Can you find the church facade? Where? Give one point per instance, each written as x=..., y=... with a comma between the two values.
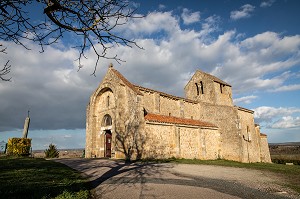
x=129, y=121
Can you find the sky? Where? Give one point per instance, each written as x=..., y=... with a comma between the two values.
x=252, y=45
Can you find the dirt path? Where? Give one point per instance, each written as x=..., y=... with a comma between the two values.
x=115, y=179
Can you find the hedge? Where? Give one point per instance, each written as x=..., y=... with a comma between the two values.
x=282, y=161
x=18, y=146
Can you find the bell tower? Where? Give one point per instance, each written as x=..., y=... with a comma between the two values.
x=204, y=87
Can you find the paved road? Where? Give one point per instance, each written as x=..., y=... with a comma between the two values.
x=115, y=179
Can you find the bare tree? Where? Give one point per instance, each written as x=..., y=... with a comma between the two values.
x=6, y=69
x=93, y=21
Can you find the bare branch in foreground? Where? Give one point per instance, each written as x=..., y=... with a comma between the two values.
x=93, y=23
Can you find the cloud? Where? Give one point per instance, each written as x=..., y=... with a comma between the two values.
x=266, y=113
x=281, y=117
x=292, y=87
x=244, y=12
x=161, y=7
x=254, y=58
x=49, y=85
x=154, y=22
x=268, y=3
x=244, y=100
x=287, y=122
x=210, y=25
x=68, y=136
x=189, y=17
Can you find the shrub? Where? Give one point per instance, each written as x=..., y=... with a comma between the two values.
x=51, y=152
x=74, y=195
x=18, y=146
x=283, y=161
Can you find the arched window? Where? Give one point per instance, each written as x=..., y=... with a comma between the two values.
x=199, y=87
x=107, y=121
x=107, y=102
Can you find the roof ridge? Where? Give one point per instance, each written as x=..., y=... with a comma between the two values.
x=216, y=79
x=125, y=81
x=165, y=94
x=263, y=135
x=244, y=109
x=176, y=120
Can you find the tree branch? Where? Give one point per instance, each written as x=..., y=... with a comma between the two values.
x=5, y=71
x=92, y=21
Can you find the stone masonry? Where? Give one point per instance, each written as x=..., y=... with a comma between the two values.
x=130, y=121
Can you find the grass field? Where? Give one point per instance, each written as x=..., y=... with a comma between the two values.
x=39, y=178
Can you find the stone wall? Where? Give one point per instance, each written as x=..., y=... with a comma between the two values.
x=96, y=110
x=250, y=137
x=211, y=144
x=169, y=106
x=189, y=142
x=223, y=94
x=160, y=141
x=264, y=150
x=211, y=90
x=192, y=93
x=265, y=155
x=191, y=110
x=235, y=137
x=170, y=140
x=224, y=117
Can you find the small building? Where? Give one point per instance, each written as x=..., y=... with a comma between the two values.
x=129, y=121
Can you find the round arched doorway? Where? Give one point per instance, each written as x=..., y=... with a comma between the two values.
x=106, y=126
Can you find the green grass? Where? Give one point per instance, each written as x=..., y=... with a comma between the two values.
x=39, y=178
x=291, y=173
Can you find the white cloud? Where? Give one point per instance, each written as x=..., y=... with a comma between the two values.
x=161, y=7
x=268, y=3
x=68, y=136
x=281, y=117
x=246, y=64
x=154, y=22
x=57, y=95
x=48, y=85
x=256, y=57
x=287, y=122
x=244, y=12
x=209, y=26
x=266, y=113
x=189, y=17
x=292, y=87
x=245, y=99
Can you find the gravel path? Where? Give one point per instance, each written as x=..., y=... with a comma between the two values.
x=114, y=179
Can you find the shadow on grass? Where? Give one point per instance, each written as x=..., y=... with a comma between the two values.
x=37, y=178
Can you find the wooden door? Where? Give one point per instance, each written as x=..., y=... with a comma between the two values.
x=108, y=144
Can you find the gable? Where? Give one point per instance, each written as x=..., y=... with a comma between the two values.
x=208, y=76
x=125, y=81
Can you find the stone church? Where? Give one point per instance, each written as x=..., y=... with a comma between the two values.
x=129, y=121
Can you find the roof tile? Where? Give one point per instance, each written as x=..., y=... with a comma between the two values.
x=263, y=135
x=176, y=120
